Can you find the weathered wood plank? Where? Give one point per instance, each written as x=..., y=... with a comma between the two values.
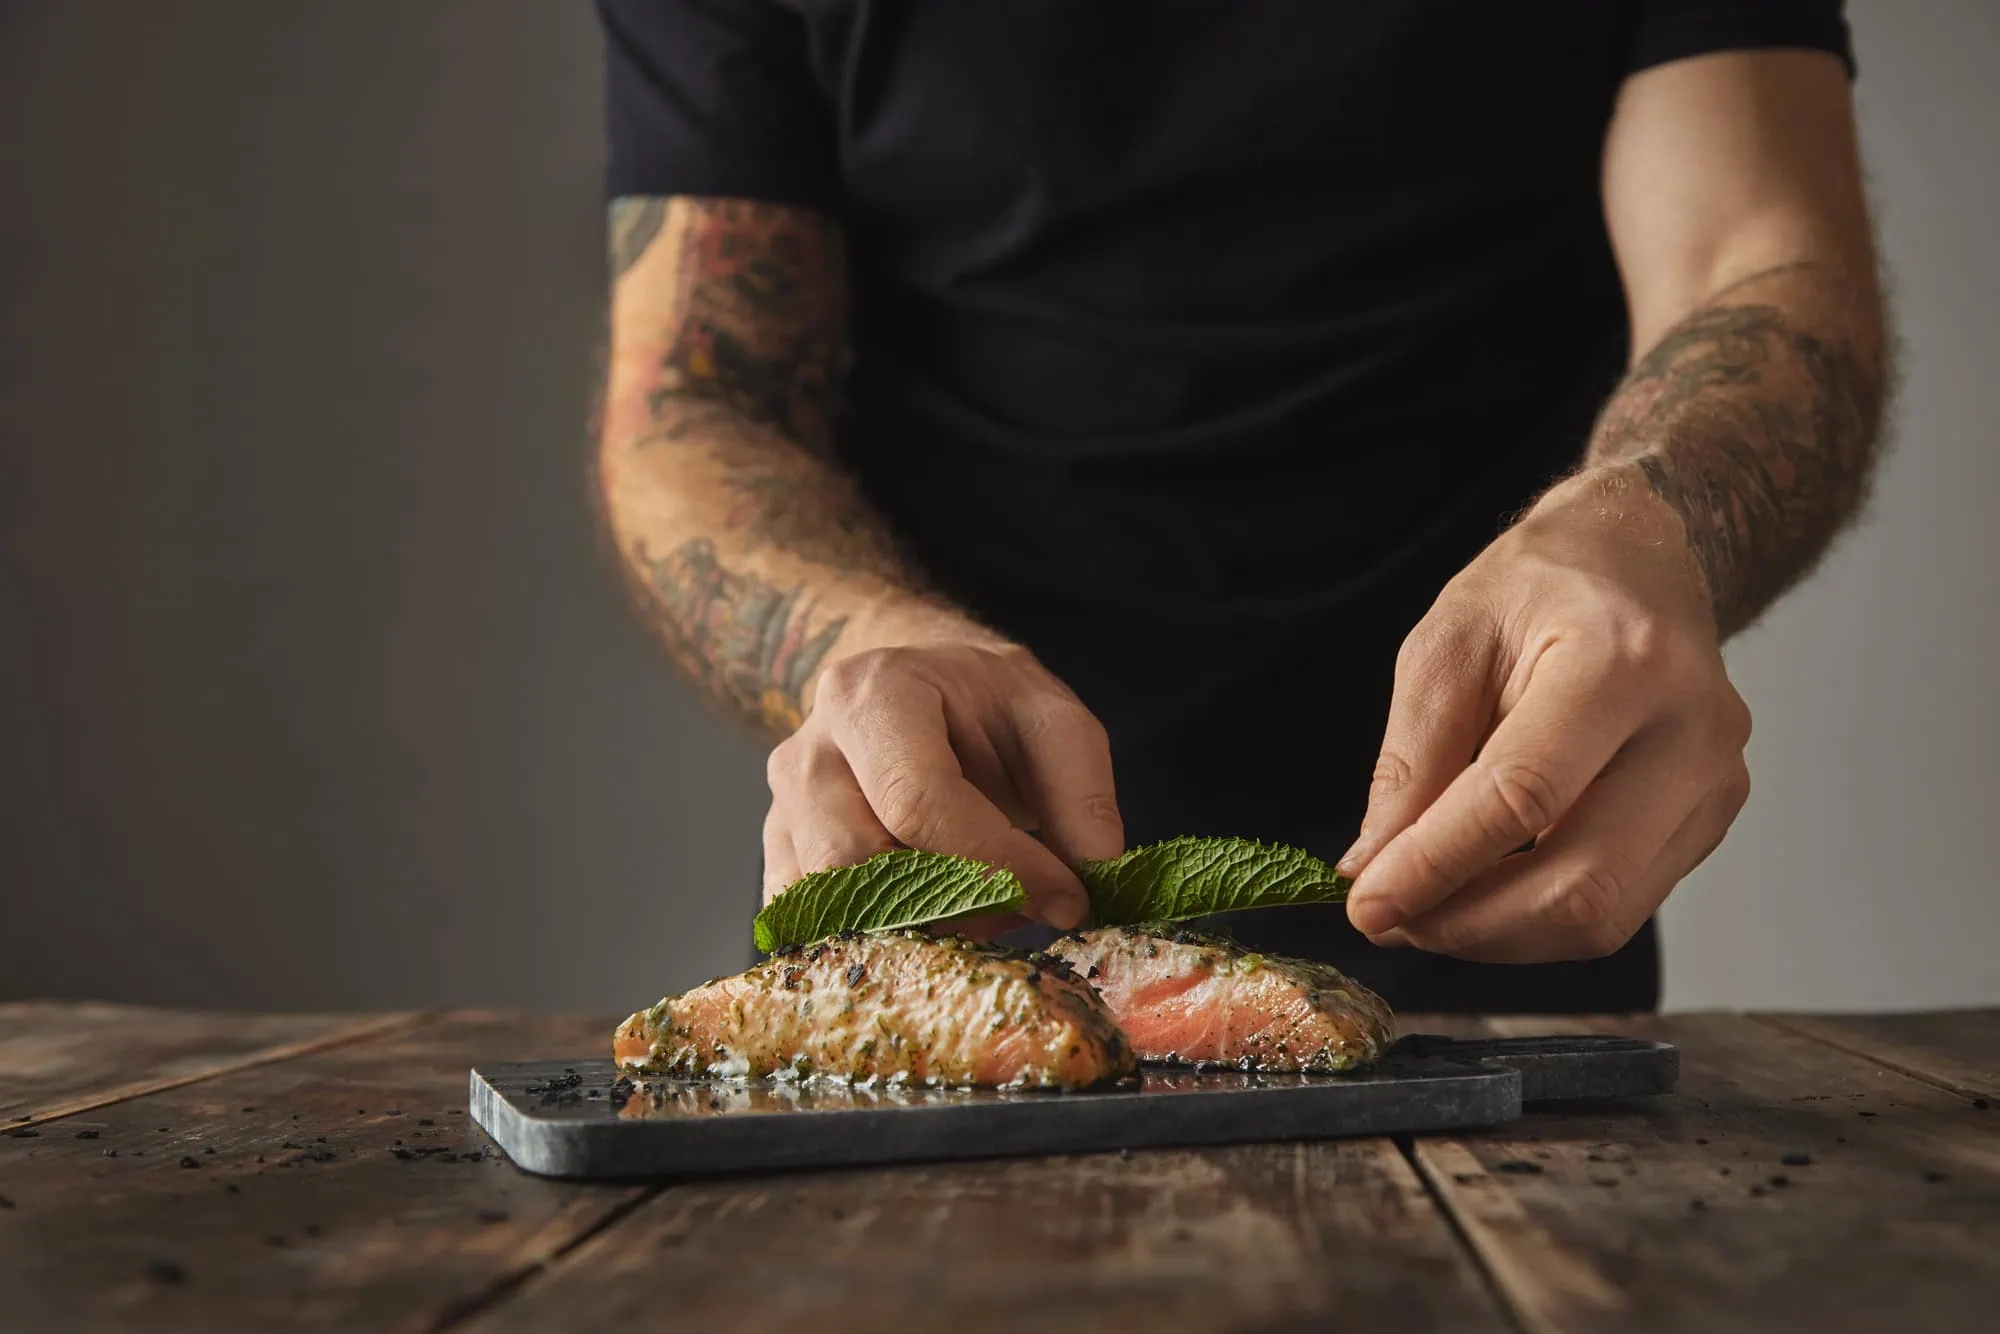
x=344, y=1189
x=1954, y=1049
x=1256, y=1237
x=1788, y=1186
x=62, y=1057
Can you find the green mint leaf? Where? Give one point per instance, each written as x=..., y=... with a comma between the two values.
x=1193, y=877
x=889, y=890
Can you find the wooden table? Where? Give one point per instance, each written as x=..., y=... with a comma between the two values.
x=175, y=1171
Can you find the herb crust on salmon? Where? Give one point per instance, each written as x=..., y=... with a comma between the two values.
x=890, y=1007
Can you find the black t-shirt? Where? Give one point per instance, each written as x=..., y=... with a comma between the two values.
x=1198, y=342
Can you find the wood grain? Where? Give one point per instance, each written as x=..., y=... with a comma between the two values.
x=1263, y=1237
x=1954, y=1049
x=280, y=1197
x=1682, y=1213
x=62, y=1057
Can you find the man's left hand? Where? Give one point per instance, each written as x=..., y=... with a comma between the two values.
x=1568, y=688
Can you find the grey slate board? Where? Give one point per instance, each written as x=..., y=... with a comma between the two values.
x=569, y=1120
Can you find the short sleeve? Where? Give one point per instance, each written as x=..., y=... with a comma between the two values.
x=1664, y=30
x=714, y=97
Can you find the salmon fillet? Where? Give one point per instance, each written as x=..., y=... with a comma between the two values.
x=893, y=1007
x=1181, y=995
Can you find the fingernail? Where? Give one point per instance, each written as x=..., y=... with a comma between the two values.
x=1349, y=864
x=1373, y=915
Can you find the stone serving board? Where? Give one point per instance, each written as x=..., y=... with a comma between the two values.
x=569, y=1120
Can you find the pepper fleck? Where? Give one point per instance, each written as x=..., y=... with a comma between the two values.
x=165, y=1271
x=1797, y=1160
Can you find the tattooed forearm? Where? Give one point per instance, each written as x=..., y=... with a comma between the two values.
x=758, y=319
x=718, y=449
x=1759, y=428
x=635, y=221
x=749, y=642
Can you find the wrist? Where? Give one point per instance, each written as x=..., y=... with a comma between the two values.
x=1608, y=516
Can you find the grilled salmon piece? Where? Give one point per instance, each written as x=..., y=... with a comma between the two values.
x=895, y=1007
x=1181, y=995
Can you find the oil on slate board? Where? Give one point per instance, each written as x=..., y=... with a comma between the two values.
x=579, y=1121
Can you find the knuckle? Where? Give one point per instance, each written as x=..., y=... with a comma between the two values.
x=784, y=763
x=908, y=807
x=1429, y=647
x=1103, y=808
x=1736, y=789
x=843, y=684
x=1525, y=800
x=1642, y=641
x=1064, y=718
x=1586, y=905
x=1392, y=774
x=1733, y=721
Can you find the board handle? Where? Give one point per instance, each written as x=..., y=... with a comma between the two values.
x=1562, y=1066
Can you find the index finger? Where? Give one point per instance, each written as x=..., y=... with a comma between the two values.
x=1574, y=716
x=901, y=755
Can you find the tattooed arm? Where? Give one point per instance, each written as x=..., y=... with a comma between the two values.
x=899, y=720
x=756, y=557
x=1754, y=406
x=1568, y=687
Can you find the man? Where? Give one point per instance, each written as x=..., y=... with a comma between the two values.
x=999, y=389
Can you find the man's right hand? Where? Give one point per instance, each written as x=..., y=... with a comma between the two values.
x=948, y=747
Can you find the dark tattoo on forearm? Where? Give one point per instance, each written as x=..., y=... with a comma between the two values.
x=758, y=318
x=635, y=221
x=748, y=642
x=1759, y=433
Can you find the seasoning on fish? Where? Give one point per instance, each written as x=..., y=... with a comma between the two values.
x=891, y=1007
x=1181, y=995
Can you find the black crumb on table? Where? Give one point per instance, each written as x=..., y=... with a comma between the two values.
x=1756, y=1190
x=425, y=1121
x=165, y=1271
x=1797, y=1160
x=88, y=1134
x=209, y=1149
x=1697, y=1204
x=189, y=1160
x=1980, y=1104
x=1518, y=1165
x=24, y=1133
x=1781, y=1180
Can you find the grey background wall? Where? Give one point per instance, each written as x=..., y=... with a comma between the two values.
x=314, y=690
